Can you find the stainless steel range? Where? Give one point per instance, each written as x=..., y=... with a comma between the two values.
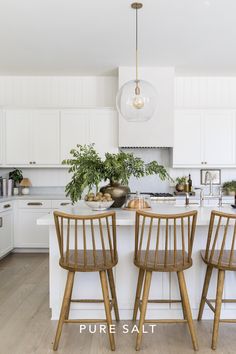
x=161, y=197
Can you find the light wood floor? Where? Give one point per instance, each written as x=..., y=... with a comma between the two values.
x=26, y=328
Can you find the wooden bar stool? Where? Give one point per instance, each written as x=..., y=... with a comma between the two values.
x=158, y=249
x=219, y=254
x=87, y=249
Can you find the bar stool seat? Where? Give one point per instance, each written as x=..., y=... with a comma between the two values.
x=163, y=243
x=225, y=260
x=87, y=243
x=221, y=234
x=104, y=261
x=163, y=261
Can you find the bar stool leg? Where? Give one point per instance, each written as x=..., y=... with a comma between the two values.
x=113, y=292
x=146, y=289
x=182, y=301
x=107, y=307
x=219, y=293
x=64, y=308
x=187, y=309
x=205, y=291
x=138, y=293
x=68, y=309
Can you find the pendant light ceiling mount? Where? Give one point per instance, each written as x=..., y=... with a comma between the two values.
x=136, y=5
x=136, y=99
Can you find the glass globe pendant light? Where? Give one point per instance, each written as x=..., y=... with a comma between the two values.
x=136, y=99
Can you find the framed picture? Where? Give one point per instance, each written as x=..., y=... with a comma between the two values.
x=208, y=175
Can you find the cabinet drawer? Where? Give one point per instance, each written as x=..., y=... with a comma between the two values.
x=60, y=203
x=35, y=204
x=6, y=206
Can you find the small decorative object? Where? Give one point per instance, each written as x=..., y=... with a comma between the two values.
x=25, y=184
x=16, y=176
x=180, y=183
x=99, y=201
x=89, y=170
x=215, y=176
x=229, y=187
x=138, y=201
x=136, y=100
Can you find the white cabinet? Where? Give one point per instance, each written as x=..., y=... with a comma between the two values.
x=6, y=232
x=88, y=126
x=74, y=130
x=219, y=138
x=18, y=137
x=187, y=138
x=204, y=138
x=46, y=137
x=32, y=137
x=103, y=130
x=1, y=138
x=27, y=233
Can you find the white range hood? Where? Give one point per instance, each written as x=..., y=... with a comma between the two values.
x=159, y=130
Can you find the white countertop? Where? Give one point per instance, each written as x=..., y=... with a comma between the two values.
x=34, y=197
x=127, y=218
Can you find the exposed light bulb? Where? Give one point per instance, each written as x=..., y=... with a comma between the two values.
x=138, y=102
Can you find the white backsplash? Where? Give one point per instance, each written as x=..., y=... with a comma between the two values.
x=58, y=178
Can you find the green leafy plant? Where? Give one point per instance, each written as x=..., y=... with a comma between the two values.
x=229, y=186
x=89, y=169
x=181, y=180
x=16, y=175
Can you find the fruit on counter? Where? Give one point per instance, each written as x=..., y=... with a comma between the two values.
x=138, y=204
x=98, y=197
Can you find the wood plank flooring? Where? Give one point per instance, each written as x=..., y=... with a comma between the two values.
x=26, y=328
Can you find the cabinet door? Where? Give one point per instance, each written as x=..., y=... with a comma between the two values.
x=1, y=138
x=103, y=130
x=6, y=233
x=188, y=139
x=28, y=234
x=219, y=133
x=46, y=137
x=18, y=137
x=74, y=130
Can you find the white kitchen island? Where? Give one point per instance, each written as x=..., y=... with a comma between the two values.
x=164, y=285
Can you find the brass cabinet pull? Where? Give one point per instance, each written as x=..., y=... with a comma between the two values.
x=34, y=203
x=1, y=222
x=7, y=206
x=64, y=203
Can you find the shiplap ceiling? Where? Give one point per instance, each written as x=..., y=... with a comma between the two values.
x=91, y=37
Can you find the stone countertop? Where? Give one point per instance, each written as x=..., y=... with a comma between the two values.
x=127, y=218
x=34, y=197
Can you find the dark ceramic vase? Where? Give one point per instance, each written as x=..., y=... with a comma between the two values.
x=118, y=193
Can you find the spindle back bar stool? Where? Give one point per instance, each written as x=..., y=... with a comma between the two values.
x=219, y=254
x=87, y=244
x=163, y=243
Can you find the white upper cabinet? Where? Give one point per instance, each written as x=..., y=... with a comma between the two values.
x=1, y=138
x=103, y=130
x=219, y=138
x=18, y=137
x=74, y=130
x=89, y=126
x=46, y=137
x=204, y=138
x=32, y=137
x=159, y=130
x=187, y=138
